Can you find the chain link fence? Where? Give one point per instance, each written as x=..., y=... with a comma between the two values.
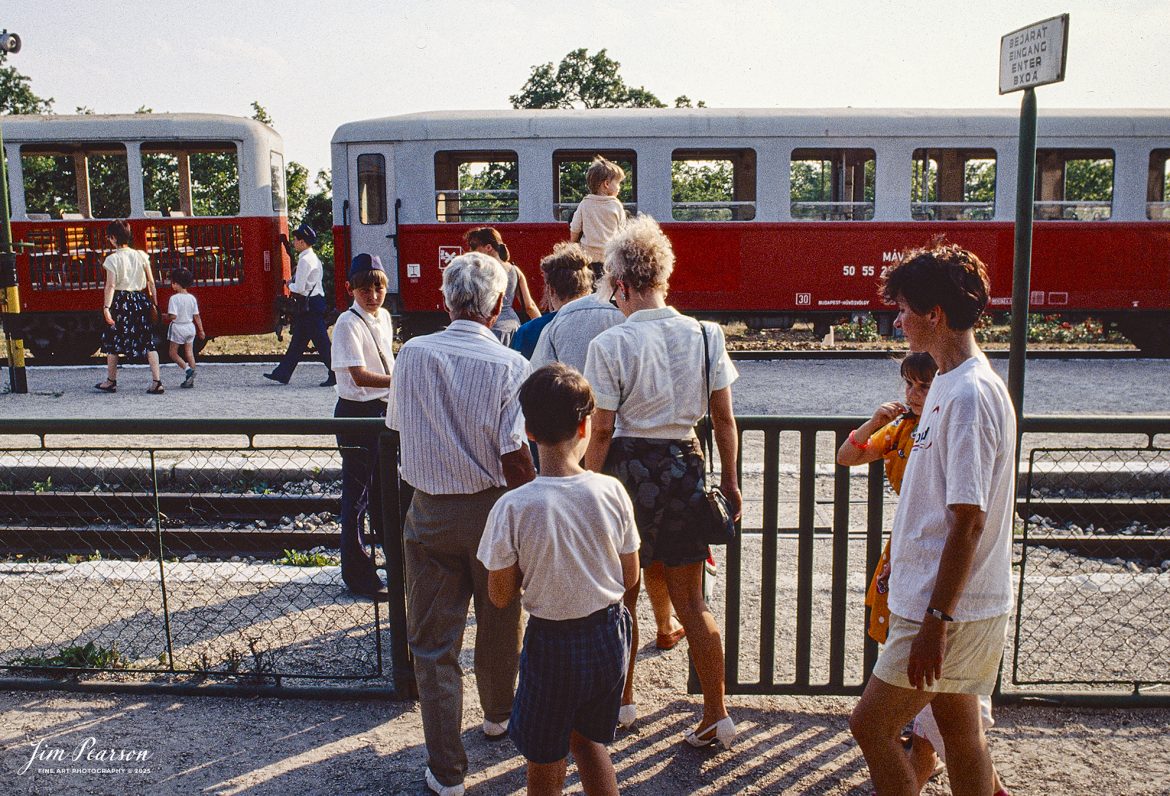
x=1094, y=569
x=143, y=560
x=204, y=563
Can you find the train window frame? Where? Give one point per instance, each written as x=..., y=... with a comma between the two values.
x=835, y=209
x=366, y=179
x=563, y=210
x=938, y=199
x=190, y=192
x=1046, y=207
x=1158, y=186
x=78, y=168
x=277, y=181
x=448, y=164
x=741, y=206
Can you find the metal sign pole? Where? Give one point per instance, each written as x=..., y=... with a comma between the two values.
x=1022, y=269
x=1031, y=56
x=17, y=378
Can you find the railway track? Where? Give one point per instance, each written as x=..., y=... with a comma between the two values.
x=740, y=355
x=264, y=525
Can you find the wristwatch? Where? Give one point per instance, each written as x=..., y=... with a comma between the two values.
x=937, y=614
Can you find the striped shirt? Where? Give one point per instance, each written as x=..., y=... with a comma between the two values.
x=455, y=402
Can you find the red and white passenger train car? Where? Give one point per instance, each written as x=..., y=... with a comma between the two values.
x=777, y=214
x=202, y=192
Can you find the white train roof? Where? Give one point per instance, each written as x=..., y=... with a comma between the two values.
x=135, y=127
x=749, y=123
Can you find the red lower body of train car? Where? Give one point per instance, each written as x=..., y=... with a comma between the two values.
x=771, y=273
x=238, y=264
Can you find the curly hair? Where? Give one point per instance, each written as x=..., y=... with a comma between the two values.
x=640, y=255
x=567, y=274
x=941, y=275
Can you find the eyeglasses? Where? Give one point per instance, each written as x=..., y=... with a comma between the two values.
x=613, y=298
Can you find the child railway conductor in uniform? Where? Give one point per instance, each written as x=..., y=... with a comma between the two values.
x=455, y=403
x=309, y=317
x=363, y=362
x=950, y=584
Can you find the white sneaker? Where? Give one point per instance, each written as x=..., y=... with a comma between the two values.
x=627, y=715
x=495, y=731
x=441, y=789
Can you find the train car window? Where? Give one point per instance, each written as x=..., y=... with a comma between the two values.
x=477, y=187
x=76, y=180
x=833, y=184
x=197, y=179
x=371, y=174
x=276, y=180
x=713, y=184
x=953, y=185
x=1158, y=191
x=1074, y=184
x=570, y=186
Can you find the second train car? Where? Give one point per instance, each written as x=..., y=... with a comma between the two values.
x=777, y=215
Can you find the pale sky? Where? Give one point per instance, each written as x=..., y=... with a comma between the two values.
x=315, y=65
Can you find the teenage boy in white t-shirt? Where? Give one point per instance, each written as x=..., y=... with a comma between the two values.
x=363, y=364
x=568, y=543
x=950, y=585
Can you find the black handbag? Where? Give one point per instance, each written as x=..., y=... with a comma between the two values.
x=720, y=526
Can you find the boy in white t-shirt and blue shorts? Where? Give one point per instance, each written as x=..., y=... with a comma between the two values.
x=186, y=324
x=567, y=542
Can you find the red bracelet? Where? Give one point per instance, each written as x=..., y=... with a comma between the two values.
x=853, y=442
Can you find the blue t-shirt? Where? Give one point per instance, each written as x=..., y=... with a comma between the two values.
x=524, y=340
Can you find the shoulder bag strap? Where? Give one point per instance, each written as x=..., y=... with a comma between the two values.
x=374, y=335
x=708, y=431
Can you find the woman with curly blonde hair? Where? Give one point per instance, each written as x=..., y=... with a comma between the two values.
x=648, y=378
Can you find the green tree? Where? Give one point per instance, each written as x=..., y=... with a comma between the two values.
x=582, y=80
x=1088, y=180
x=701, y=181
x=260, y=113
x=16, y=94
x=296, y=185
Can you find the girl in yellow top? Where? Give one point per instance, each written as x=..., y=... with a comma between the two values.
x=887, y=435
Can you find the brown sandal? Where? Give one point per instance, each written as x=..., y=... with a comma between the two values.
x=156, y=388
x=109, y=385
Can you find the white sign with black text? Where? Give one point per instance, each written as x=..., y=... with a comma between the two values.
x=1033, y=56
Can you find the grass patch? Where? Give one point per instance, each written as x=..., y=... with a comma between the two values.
x=306, y=558
x=89, y=656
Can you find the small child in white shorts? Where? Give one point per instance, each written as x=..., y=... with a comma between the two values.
x=186, y=324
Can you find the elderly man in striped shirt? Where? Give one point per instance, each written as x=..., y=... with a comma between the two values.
x=454, y=401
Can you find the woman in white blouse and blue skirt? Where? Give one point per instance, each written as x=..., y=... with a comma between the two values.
x=648, y=378
x=126, y=308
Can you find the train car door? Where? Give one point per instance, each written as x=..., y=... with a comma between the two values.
x=372, y=220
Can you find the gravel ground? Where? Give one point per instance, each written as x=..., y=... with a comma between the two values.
x=787, y=744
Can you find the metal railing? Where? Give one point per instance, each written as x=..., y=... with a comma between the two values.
x=812, y=534
x=139, y=556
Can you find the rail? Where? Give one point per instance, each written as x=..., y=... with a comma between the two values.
x=136, y=553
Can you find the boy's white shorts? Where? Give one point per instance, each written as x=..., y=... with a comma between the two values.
x=181, y=333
